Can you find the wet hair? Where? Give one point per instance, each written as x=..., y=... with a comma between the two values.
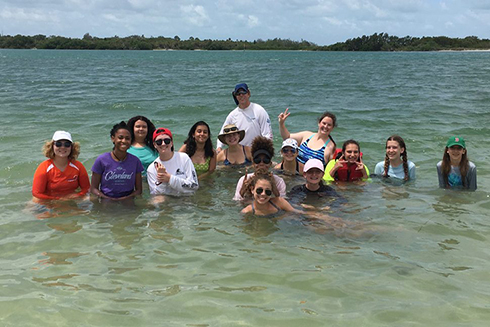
x=48, y=150
x=191, y=145
x=334, y=121
x=401, y=144
x=446, y=167
x=260, y=174
x=151, y=128
x=263, y=143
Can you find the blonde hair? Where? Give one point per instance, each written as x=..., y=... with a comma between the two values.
x=48, y=150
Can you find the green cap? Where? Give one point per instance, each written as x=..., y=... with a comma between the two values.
x=456, y=140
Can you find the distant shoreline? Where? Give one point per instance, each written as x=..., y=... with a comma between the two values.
x=376, y=42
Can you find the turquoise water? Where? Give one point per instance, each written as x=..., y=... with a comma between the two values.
x=418, y=256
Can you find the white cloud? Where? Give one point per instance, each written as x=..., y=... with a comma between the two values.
x=195, y=15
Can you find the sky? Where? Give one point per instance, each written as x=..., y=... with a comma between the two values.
x=323, y=22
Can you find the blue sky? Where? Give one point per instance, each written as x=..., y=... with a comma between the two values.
x=320, y=21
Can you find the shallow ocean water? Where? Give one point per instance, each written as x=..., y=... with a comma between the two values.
x=417, y=255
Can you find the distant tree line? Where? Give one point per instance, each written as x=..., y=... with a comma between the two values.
x=375, y=42
x=385, y=42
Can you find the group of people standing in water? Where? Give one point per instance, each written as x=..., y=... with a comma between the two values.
x=143, y=151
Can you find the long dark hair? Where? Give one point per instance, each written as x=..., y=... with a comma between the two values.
x=446, y=167
x=149, y=135
x=191, y=145
x=401, y=144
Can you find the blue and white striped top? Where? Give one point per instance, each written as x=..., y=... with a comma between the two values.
x=305, y=153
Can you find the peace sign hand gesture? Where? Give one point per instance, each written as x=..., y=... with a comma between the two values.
x=283, y=116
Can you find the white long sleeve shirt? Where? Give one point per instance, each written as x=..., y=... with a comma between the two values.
x=254, y=120
x=183, y=177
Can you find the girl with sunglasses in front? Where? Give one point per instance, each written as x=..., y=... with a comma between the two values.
x=261, y=187
x=116, y=175
x=61, y=175
x=263, y=151
x=172, y=173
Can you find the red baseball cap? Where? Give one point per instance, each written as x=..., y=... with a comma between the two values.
x=160, y=131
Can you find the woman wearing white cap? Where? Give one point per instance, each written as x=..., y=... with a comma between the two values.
x=61, y=175
x=289, y=151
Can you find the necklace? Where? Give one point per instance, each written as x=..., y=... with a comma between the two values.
x=114, y=154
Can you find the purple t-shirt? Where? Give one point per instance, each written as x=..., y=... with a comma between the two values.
x=117, y=177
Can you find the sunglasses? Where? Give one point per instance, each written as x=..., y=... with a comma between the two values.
x=265, y=160
x=240, y=93
x=231, y=129
x=66, y=144
x=259, y=191
x=160, y=141
x=286, y=150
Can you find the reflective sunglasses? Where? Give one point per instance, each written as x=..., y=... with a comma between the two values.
x=265, y=160
x=160, y=141
x=60, y=144
x=286, y=150
x=231, y=129
x=259, y=191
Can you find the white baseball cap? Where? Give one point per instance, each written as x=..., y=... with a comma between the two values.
x=313, y=163
x=62, y=135
x=290, y=142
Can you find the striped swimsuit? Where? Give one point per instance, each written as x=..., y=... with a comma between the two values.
x=305, y=153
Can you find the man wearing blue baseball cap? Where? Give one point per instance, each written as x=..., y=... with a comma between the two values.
x=247, y=116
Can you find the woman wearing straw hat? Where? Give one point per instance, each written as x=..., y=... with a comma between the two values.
x=235, y=154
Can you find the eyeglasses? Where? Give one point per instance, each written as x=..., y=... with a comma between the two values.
x=66, y=144
x=160, y=141
x=231, y=129
x=286, y=150
x=265, y=160
x=259, y=191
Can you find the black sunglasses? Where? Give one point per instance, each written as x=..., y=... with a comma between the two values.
x=241, y=92
x=259, y=191
x=265, y=160
x=66, y=144
x=231, y=129
x=286, y=150
x=160, y=141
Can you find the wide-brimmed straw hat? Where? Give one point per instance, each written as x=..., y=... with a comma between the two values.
x=230, y=129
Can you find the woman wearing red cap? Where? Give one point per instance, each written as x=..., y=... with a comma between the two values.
x=172, y=173
x=61, y=176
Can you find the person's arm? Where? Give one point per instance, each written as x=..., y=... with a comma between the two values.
x=283, y=204
x=281, y=186
x=439, y=175
x=265, y=124
x=188, y=183
x=40, y=182
x=329, y=175
x=285, y=134
x=247, y=209
x=329, y=151
x=94, y=186
x=238, y=196
x=471, y=178
x=183, y=148
x=411, y=171
x=362, y=167
x=83, y=180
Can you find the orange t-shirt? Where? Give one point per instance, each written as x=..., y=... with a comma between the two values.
x=51, y=183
